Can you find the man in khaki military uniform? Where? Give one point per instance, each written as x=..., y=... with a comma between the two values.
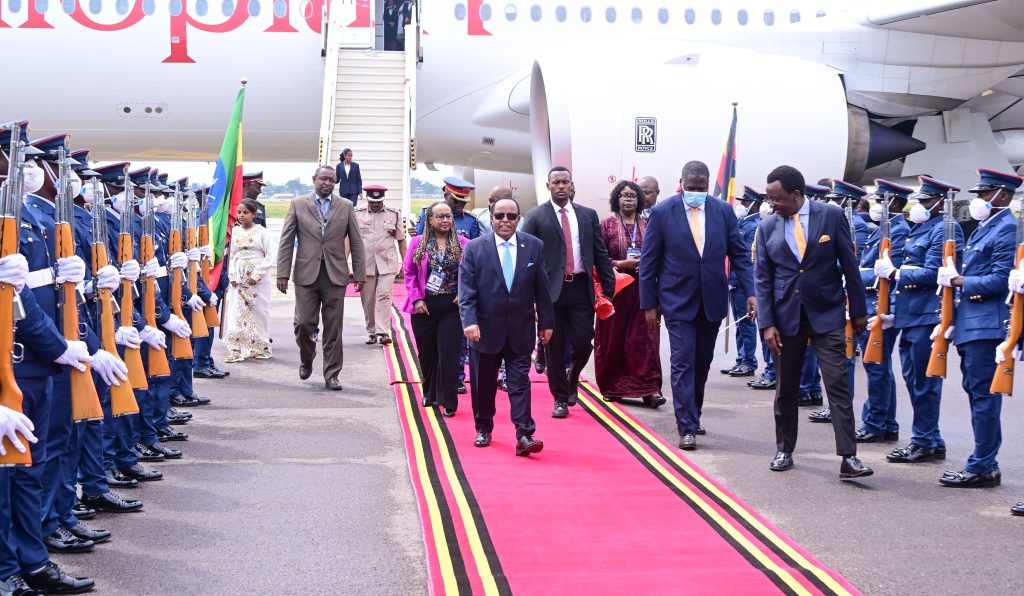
x=381, y=228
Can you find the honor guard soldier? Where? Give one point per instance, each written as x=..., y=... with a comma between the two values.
x=203, y=366
x=981, y=318
x=747, y=218
x=766, y=381
x=878, y=416
x=381, y=229
x=252, y=186
x=917, y=307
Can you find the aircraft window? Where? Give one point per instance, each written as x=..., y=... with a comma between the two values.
x=794, y=16
x=460, y=12
x=585, y=14
x=175, y=8
x=662, y=15
x=485, y=12
x=95, y=6
x=68, y=6
x=253, y=8
x=42, y=5
x=511, y=12
x=148, y=7
x=202, y=7
x=609, y=14
x=535, y=13
x=819, y=14
x=690, y=16
x=15, y=5
x=637, y=15
x=741, y=16
x=716, y=16
x=280, y=9
x=307, y=9
x=769, y=17
x=560, y=14
x=121, y=6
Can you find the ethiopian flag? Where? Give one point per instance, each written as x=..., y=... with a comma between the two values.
x=226, y=192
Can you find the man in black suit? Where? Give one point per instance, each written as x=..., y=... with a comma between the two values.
x=502, y=283
x=572, y=249
x=350, y=180
x=804, y=253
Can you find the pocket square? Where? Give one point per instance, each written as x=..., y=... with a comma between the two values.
x=824, y=238
x=528, y=265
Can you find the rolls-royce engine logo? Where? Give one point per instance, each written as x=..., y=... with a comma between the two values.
x=646, y=135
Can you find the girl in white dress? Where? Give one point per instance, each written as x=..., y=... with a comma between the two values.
x=248, y=300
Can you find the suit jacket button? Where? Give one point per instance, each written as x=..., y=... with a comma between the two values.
x=801, y=271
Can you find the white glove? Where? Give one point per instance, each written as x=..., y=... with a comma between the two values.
x=151, y=268
x=109, y=367
x=77, y=355
x=70, y=269
x=947, y=274
x=192, y=254
x=178, y=327
x=938, y=329
x=884, y=266
x=887, y=321
x=178, y=260
x=206, y=251
x=11, y=422
x=1000, y=356
x=214, y=301
x=153, y=337
x=107, y=278
x=128, y=337
x=13, y=271
x=1016, y=282
x=196, y=302
x=130, y=270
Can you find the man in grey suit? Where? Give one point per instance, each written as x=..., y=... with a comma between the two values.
x=315, y=230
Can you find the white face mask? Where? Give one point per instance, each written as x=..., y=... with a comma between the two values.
x=117, y=202
x=34, y=177
x=76, y=185
x=740, y=210
x=980, y=208
x=876, y=212
x=159, y=204
x=920, y=214
x=766, y=209
x=87, y=194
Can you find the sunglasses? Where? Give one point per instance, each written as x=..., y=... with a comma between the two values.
x=502, y=216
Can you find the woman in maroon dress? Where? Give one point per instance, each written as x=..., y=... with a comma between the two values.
x=627, y=351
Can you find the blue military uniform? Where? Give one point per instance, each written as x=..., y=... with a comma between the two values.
x=980, y=326
x=878, y=416
x=202, y=360
x=746, y=329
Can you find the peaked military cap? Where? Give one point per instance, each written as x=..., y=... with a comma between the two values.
x=458, y=187
x=82, y=169
x=256, y=177
x=841, y=188
x=375, y=192
x=113, y=173
x=5, y=138
x=992, y=180
x=932, y=188
x=50, y=145
x=816, y=190
x=884, y=187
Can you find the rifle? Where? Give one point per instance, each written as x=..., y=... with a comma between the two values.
x=157, y=357
x=873, y=351
x=122, y=399
x=1002, y=380
x=851, y=347
x=10, y=220
x=940, y=345
x=203, y=232
x=125, y=252
x=85, y=402
x=200, y=328
x=181, y=347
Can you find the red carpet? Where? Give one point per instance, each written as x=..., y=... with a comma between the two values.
x=607, y=508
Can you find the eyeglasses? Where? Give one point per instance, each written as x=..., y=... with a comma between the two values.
x=502, y=216
x=443, y=216
x=627, y=195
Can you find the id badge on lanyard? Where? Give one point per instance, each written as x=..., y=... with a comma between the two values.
x=435, y=280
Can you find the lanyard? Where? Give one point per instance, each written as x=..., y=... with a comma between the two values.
x=630, y=233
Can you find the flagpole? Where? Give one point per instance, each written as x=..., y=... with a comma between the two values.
x=730, y=143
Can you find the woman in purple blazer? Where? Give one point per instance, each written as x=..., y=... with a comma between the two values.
x=431, y=272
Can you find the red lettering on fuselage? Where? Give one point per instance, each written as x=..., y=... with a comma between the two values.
x=474, y=23
x=362, y=14
x=133, y=17
x=35, y=20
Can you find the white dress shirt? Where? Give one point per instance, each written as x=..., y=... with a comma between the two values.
x=574, y=229
x=348, y=168
x=700, y=223
x=512, y=249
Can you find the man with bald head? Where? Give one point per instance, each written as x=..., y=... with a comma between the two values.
x=650, y=190
x=483, y=215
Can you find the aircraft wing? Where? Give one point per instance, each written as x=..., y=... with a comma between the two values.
x=994, y=20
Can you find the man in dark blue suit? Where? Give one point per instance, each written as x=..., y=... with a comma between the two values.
x=350, y=180
x=502, y=283
x=801, y=297
x=683, y=278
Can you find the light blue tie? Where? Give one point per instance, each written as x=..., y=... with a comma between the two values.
x=506, y=264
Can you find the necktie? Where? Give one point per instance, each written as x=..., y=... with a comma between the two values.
x=798, y=234
x=570, y=259
x=506, y=264
x=695, y=230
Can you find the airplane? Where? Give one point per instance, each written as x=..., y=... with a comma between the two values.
x=506, y=90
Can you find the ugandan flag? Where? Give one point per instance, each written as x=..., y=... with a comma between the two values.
x=226, y=191
x=726, y=182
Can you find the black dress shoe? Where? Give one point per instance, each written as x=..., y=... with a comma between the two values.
x=654, y=401
x=16, y=586
x=203, y=373
x=333, y=384
x=305, y=370
x=176, y=413
x=781, y=462
x=965, y=479
x=188, y=401
x=447, y=412
x=62, y=541
x=892, y=435
x=118, y=480
x=169, y=434
x=763, y=384
x=728, y=370
x=218, y=373
x=52, y=580
x=527, y=445
x=911, y=454
x=482, y=439
x=83, y=533
x=177, y=420
x=461, y=388
x=809, y=400
x=688, y=442
x=81, y=511
x=142, y=474
x=539, y=366
x=167, y=452
x=502, y=385
x=560, y=411
x=144, y=453
x=820, y=416
x=427, y=402
x=371, y=340
x=700, y=430
x=742, y=370
x=112, y=503
x=385, y=339
x=852, y=468
x=866, y=436
x=1017, y=509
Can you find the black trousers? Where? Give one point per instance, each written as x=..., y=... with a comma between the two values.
x=438, y=336
x=574, y=328
x=830, y=348
x=483, y=377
